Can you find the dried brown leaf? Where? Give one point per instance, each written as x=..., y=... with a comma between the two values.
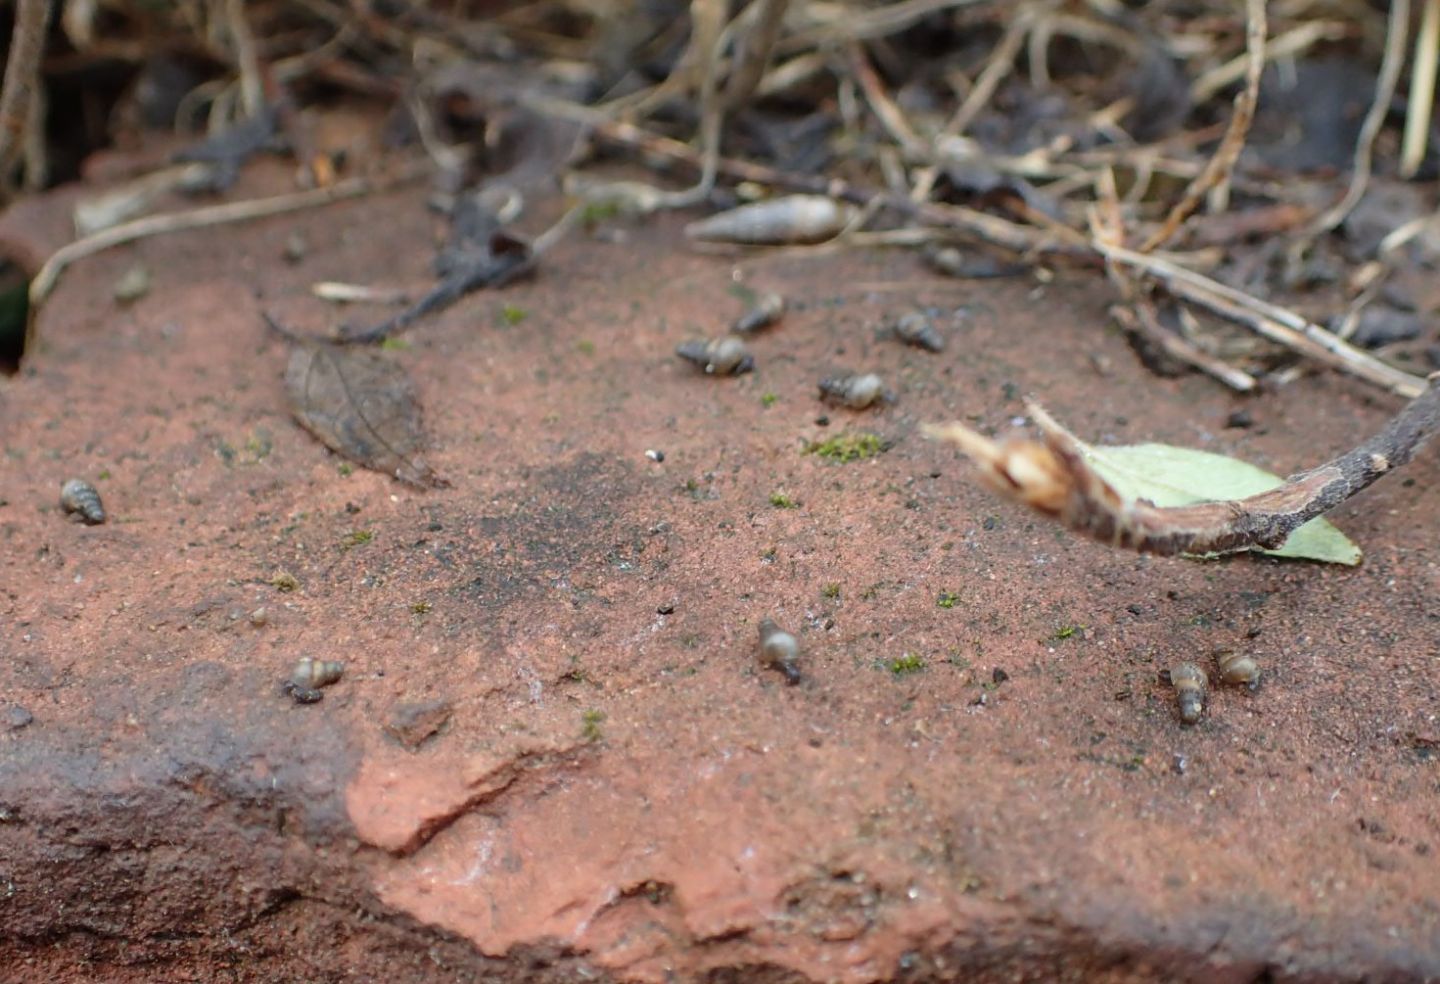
x=362, y=405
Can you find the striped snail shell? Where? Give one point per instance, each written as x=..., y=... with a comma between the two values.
x=79, y=499
x=1190, y=684
x=309, y=675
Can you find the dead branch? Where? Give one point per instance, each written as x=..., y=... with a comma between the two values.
x=1053, y=477
x=1143, y=322
x=1270, y=320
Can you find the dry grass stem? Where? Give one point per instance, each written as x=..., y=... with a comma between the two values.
x=1422, y=91
x=1395, y=35
x=198, y=218
x=1217, y=171
x=1269, y=320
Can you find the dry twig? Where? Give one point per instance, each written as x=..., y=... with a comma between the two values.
x=22, y=75
x=1269, y=320
x=198, y=218
x=1053, y=477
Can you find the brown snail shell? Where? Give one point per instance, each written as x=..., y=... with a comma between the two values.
x=915, y=328
x=78, y=498
x=1238, y=668
x=854, y=390
x=767, y=309
x=725, y=356
x=1190, y=684
x=779, y=650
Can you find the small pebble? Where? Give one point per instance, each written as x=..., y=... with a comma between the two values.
x=999, y=675
x=414, y=723
x=655, y=456
x=15, y=717
x=259, y=617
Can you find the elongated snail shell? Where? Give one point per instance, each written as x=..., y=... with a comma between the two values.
x=1190, y=684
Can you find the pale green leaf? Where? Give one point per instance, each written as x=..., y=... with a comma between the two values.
x=1171, y=476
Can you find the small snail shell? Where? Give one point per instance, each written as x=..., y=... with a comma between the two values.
x=767, y=310
x=1239, y=668
x=916, y=329
x=727, y=356
x=976, y=266
x=1190, y=683
x=779, y=650
x=79, y=498
x=856, y=391
x=791, y=219
x=312, y=674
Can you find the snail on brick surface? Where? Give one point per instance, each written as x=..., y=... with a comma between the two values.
x=726, y=356
x=915, y=328
x=309, y=675
x=854, y=390
x=767, y=309
x=78, y=498
x=1238, y=668
x=1190, y=685
x=779, y=650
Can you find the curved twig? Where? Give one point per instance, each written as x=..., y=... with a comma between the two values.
x=1053, y=477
